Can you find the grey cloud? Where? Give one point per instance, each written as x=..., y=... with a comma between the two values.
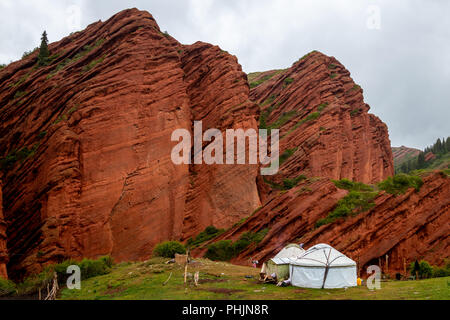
x=404, y=67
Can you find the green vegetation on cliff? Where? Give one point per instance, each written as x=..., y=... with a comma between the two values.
x=361, y=196
x=434, y=157
x=225, y=250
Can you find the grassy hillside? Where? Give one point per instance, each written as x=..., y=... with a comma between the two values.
x=435, y=157
x=223, y=281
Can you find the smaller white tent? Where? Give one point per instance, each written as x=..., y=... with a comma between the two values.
x=290, y=251
x=279, y=264
x=323, y=267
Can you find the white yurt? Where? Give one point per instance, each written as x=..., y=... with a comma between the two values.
x=279, y=264
x=323, y=267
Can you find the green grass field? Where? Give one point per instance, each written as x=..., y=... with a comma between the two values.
x=223, y=281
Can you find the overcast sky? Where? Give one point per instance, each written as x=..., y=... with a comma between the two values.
x=398, y=51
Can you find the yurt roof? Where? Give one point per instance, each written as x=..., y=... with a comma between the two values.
x=323, y=255
x=280, y=261
x=290, y=251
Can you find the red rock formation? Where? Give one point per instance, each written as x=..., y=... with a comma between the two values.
x=404, y=227
x=403, y=154
x=218, y=93
x=97, y=176
x=322, y=116
x=430, y=156
x=3, y=249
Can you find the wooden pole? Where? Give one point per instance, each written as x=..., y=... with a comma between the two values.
x=387, y=264
x=185, y=271
x=404, y=266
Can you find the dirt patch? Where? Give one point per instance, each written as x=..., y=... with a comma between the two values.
x=301, y=291
x=24, y=298
x=113, y=291
x=222, y=290
x=210, y=280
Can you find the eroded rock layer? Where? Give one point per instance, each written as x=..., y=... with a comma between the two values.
x=405, y=227
x=86, y=143
x=3, y=248
x=324, y=122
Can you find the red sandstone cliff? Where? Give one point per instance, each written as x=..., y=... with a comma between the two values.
x=327, y=132
x=96, y=176
x=3, y=248
x=322, y=116
x=404, y=227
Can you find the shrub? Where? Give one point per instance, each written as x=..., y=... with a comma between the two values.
x=286, y=155
x=284, y=118
x=86, y=49
x=93, y=268
x=225, y=250
x=92, y=64
x=19, y=94
x=355, y=112
x=322, y=106
x=32, y=284
x=244, y=241
x=42, y=134
x=344, y=184
x=352, y=186
x=220, y=251
x=400, y=183
x=352, y=204
x=8, y=162
x=265, y=114
x=254, y=84
x=89, y=268
x=423, y=268
x=209, y=233
x=439, y=272
x=312, y=116
x=168, y=249
x=259, y=236
x=7, y=287
x=288, y=81
x=291, y=183
x=288, y=184
x=306, y=55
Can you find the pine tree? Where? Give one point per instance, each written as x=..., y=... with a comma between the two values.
x=44, y=53
x=438, y=146
x=404, y=167
x=421, y=161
